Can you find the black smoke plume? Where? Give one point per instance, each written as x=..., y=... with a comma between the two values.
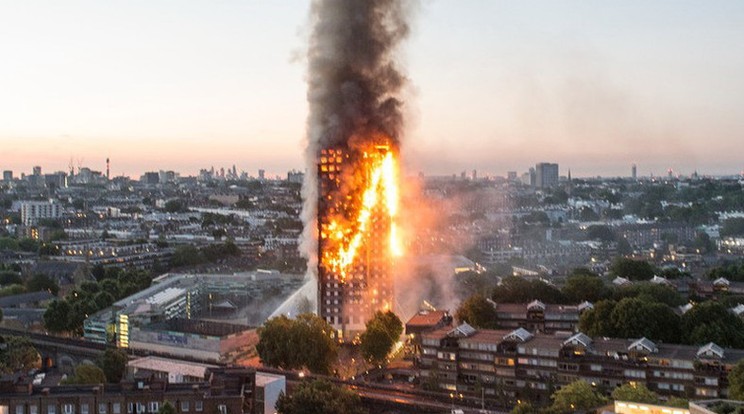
x=354, y=86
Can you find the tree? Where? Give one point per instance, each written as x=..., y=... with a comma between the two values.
x=319, y=397
x=114, y=363
x=515, y=289
x=9, y=277
x=712, y=322
x=175, y=206
x=632, y=269
x=167, y=408
x=601, y=233
x=576, y=396
x=87, y=374
x=598, y=321
x=19, y=355
x=733, y=227
x=383, y=330
x=478, y=312
x=636, y=392
x=581, y=287
x=283, y=343
x=635, y=318
x=650, y=292
x=678, y=402
x=40, y=281
x=57, y=316
x=736, y=381
x=523, y=408
x=28, y=245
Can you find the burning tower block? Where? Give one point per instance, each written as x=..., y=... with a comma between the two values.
x=357, y=206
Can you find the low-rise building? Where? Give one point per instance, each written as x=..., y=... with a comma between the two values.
x=222, y=391
x=504, y=366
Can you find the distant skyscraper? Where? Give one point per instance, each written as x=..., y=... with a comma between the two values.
x=7, y=175
x=37, y=170
x=511, y=175
x=546, y=175
x=261, y=174
x=634, y=171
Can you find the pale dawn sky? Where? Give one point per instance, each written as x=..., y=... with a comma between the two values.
x=495, y=85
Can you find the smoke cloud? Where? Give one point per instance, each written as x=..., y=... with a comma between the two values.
x=354, y=87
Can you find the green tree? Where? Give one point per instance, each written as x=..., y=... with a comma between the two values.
x=382, y=332
x=274, y=345
x=635, y=318
x=575, y=397
x=712, y=322
x=87, y=374
x=18, y=355
x=601, y=233
x=678, y=402
x=523, y=408
x=478, y=312
x=733, y=227
x=40, y=281
x=28, y=245
x=515, y=289
x=114, y=364
x=650, y=292
x=736, y=381
x=632, y=269
x=9, y=277
x=175, y=206
x=283, y=343
x=598, y=321
x=167, y=408
x=581, y=287
x=7, y=243
x=12, y=290
x=319, y=397
x=636, y=392
x=57, y=316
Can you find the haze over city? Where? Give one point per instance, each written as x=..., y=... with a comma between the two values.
x=498, y=86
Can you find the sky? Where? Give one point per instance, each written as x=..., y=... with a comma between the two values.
x=494, y=85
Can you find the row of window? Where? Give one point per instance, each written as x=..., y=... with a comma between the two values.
x=103, y=408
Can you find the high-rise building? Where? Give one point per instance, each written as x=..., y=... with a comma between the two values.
x=37, y=170
x=7, y=175
x=261, y=174
x=634, y=171
x=348, y=298
x=546, y=175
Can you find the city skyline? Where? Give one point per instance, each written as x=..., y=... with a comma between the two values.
x=594, y=88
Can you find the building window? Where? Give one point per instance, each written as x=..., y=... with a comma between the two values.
x=199, y=405
x=140, y=408
x=102, y=408
x=84, y=409
x=222, y=408
x=20, y=409
x=130, y=408
x=154, y=405
x=51, y=409
x=184, y=406
x=33, y=409
x=116, y=408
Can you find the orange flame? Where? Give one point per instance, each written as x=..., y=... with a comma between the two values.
x=381, y=191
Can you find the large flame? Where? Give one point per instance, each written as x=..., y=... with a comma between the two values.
x=381, y=191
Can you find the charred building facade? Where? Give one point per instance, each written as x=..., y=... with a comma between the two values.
x=355, y=234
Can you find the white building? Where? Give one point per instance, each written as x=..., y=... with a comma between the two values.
x=33, y=211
